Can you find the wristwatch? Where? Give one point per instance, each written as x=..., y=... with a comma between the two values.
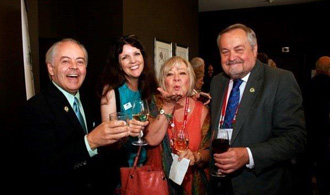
x=168, y=116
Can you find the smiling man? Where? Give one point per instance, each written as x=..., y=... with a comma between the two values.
x=266, y=126
x=66, y=64
x=63, y=149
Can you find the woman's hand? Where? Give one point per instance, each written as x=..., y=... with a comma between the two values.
x=202, y=97
x=206, y=96
x=170, y=97
x=188, y=154
x=136, y=126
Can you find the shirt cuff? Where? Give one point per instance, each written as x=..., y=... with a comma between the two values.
x=250, y=165
x=89, y=149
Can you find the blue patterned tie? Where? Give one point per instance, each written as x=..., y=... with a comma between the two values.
x=232, y=104
x=78, y=113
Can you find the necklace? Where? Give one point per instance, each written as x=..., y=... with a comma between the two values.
x=179, y=136
x=185, y=115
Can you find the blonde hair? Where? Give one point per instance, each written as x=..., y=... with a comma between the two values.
x=199, y=73
x=169, y=64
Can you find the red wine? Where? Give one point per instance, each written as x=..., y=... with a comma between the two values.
x=220, y=145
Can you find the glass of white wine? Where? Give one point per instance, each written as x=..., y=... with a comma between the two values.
x=140, y=112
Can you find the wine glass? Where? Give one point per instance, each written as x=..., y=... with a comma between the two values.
x=220, y=144
x=140, y=112
x=118, y=116
x=180, y=140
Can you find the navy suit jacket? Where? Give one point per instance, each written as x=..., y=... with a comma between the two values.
x=270, y=121
x=55, y=152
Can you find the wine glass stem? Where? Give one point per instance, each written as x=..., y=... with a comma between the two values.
x=140, y=135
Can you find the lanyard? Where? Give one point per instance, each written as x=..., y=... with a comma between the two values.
x=224, y=107
x=185, y=117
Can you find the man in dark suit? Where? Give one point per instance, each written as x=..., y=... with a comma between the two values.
x=268, y=129
x=317, y=104
x=63, y=153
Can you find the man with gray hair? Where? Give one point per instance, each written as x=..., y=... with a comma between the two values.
x=64, y=149
x=198, y=63
x=261, y=109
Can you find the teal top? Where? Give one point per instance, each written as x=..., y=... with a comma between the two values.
x=127, y=97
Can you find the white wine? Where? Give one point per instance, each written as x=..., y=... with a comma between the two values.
x=141, y=117
x=142, y=109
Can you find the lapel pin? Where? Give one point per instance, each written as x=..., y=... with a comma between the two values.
x=66, y=109
x=252, y=90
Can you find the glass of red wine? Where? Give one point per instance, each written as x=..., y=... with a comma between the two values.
x=220, y=144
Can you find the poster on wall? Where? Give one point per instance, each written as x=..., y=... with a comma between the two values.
x=163, y=51
x=182, y=51
x=28, y=72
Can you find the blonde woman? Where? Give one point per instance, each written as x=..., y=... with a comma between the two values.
x=175, y=109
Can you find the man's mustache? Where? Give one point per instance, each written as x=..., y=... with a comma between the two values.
x=235, y=62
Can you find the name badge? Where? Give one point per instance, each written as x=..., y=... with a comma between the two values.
x=230, y=132
x=127, y=106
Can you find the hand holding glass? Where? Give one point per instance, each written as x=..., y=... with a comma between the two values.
x=180, y=140
x=140, y=112
x=118, y=116
x=220, y=144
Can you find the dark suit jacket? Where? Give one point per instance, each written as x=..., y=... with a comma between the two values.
x=54, y=151
x=270, y=121
x=317, y=109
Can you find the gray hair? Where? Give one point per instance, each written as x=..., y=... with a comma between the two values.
x=53, y=49
x=197, y=62
x=251, y=36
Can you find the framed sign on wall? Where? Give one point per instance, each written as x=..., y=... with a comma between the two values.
x=182, y=51
x=162, y=52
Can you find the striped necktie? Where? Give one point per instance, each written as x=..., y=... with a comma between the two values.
x=232, y=104
x=78, y=113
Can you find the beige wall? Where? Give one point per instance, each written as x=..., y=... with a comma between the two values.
x=169, y=20
x=94, y=23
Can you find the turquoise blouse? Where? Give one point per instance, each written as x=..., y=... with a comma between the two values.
x=127, y=97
